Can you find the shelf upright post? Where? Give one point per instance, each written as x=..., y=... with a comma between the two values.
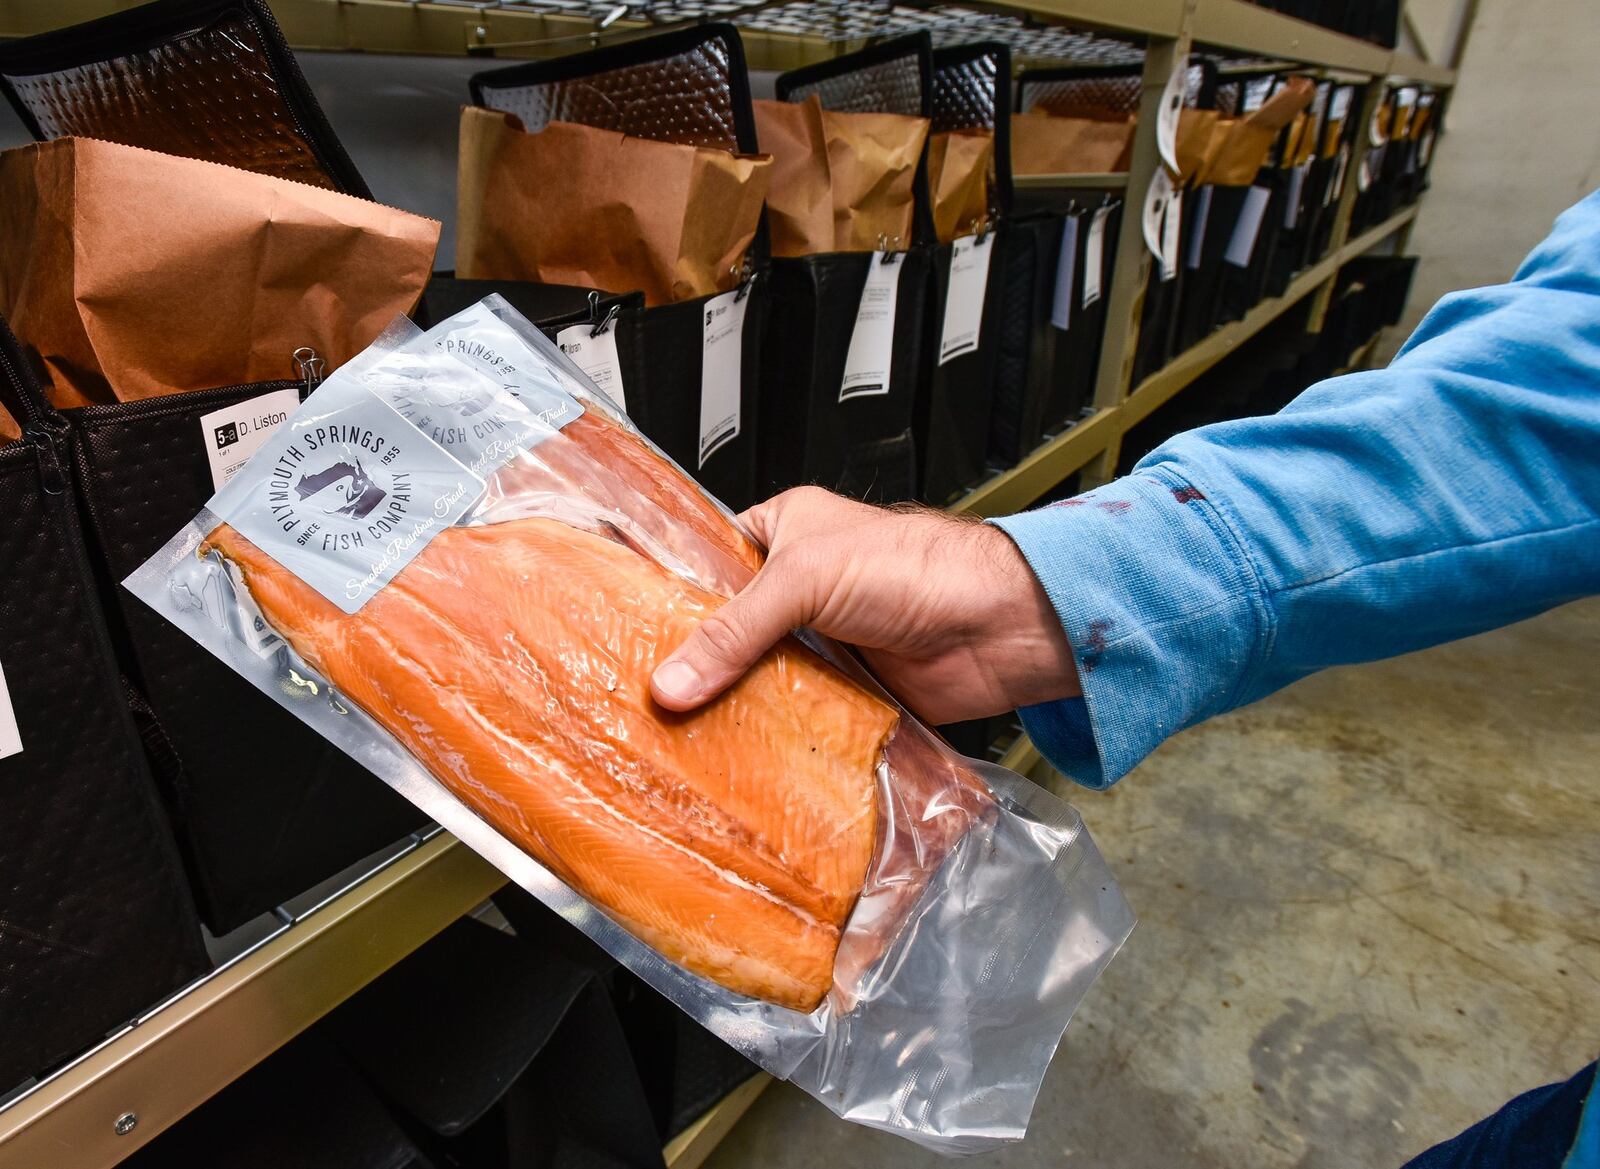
x=1371, y=98
x=1125, y=297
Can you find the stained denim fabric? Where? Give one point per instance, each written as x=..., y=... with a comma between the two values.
x=1381, y=512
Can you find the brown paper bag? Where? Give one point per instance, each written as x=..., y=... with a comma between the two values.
x=1045, y=144
x=872, y=159
x=800, y=197
x=959, y=162
x=9, y=430
x=1240, y=146
x=1195, y=128
x=579, y=205
x=133, y=274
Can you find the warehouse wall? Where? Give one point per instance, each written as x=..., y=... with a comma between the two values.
x=1522, y=141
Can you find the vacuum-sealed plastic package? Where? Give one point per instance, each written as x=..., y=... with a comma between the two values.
x=460, y=562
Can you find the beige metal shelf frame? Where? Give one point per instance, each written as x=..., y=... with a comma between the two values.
x=187, y=1049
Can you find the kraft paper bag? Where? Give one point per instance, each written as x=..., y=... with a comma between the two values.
x=959, y=163
x=574, y=204
x=1048, y=144
x=872, y=160
x=9, y=430
x=1193, y=140
x=1239, y=146
x=800, y=200
x=133, y=274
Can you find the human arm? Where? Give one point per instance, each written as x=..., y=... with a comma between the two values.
x=1455, y=491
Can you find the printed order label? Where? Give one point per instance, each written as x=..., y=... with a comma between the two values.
x=1094, y=251
x=1066, y=270
x=596, y=354
x=10, y=736
x=721, y=359
x=870, y=359
x=1171, y=229
x=963, y=303
x=234, y=433
x=347, y=493
x=1197, y=236
x=1242, y=244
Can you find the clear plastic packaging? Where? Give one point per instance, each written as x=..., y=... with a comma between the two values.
x=459, y=562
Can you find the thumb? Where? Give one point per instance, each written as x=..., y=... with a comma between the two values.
x=730, y=641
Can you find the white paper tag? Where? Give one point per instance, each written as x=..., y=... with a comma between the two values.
x=1319, y=102
x=596, y=355
x=1425, y=147
x=1256, y=93
x=1155, y=210
x=1336, y=187
x=1364, y=173
x=867, y=364
x=1341, y=103
x=1171, y=231
x=1375, y=131
x=963, y=302
x=1242, y=244
x=10, y=736
x=1201, y=210
x=1297, y=186
x=234, y=433
x=721, y=359
x=1094, y=251
x=1066, y=269
x=1171, y=107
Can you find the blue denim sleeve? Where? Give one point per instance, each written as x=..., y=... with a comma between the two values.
x=1381, y=512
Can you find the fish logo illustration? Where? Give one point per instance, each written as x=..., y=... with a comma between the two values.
x=341, y=488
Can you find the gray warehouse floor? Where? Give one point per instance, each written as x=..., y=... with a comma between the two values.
x=1369, y=914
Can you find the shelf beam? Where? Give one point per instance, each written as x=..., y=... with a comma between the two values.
x=1046, y=467
x=200, y=1041
x=1247, y=28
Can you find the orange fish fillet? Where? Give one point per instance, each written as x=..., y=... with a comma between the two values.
x=513, y=659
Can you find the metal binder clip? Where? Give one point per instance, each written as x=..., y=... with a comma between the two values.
x=310, y=367
x=983, y=232
x=745, y=287
x=597, y=323
x=886, y=245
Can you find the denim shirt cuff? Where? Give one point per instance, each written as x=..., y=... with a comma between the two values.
x=1161, y=607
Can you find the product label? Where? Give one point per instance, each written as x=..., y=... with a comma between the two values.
x=721, y=359
x=347, y=493
x=1364, y=173
x=1340, y=168
x=475, y=387
x=1341, y=103
x=1297, y=186
x=1155, y=208
x=868, y=362
x=1066, y=269
x=10, y=736
x=963, y=304
x=1171, y=107
x=234, y=433
x=1094, y=252
x=1171, y=231
x=1242, y=244
x=596, y=354
x=1201, y=210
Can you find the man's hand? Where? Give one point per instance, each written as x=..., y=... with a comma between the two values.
x=946, y=610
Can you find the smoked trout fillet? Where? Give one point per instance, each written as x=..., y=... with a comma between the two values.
x=513, y=660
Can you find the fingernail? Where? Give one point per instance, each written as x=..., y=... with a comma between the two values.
x=678, y=680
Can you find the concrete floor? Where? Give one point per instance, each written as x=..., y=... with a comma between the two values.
x=1369, y=914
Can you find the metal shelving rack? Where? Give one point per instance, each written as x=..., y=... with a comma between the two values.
x=99, y=1109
